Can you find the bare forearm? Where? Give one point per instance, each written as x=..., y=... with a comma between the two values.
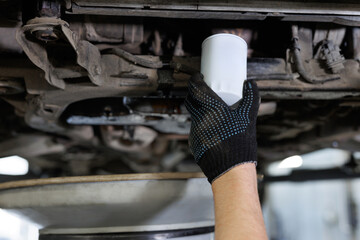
x=237, y=208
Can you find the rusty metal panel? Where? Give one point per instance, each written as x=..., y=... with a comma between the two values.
x=349, y=7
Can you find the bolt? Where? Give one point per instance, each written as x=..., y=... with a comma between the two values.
x=97, y=70
x=46, y=35
x=108, y=111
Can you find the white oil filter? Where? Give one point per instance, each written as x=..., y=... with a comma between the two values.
x=223, y=64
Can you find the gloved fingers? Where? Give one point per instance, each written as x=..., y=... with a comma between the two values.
x=250, y=102
x=191, y=103
x=193, y=109
x=199, y=90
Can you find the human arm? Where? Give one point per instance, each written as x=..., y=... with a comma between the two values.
x=237, y=207
x=223, y=142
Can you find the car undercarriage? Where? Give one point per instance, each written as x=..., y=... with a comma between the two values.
x=97, y=87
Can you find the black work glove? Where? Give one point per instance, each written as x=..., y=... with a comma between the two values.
x=221, y=137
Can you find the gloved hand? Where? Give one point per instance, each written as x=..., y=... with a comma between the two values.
x=221, y=137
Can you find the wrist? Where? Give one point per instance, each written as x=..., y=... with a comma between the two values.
x=231, y=152
x=243, y=173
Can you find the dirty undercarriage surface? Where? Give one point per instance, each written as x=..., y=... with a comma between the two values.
x=97, y=87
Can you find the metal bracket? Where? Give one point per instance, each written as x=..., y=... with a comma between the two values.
x=334, y=59
x=51, y=29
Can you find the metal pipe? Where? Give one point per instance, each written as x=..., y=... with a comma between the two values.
x=272, y=76
x=136, y=59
